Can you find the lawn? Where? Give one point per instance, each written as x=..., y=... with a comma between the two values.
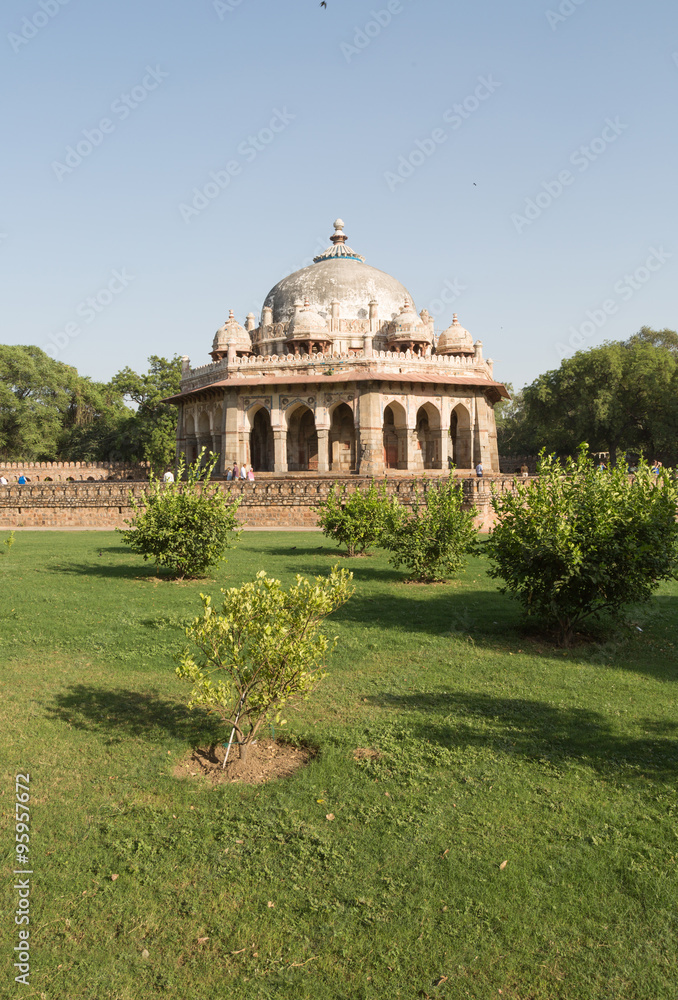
x=516, y=839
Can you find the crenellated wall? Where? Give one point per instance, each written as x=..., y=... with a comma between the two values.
x=62, y=472
x=267, y=502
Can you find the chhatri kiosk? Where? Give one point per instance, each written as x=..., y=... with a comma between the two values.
x=341, y=375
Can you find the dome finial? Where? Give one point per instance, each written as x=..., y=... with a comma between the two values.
x=338, y=234
x=339, y=246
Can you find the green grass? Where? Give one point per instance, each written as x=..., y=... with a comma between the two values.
x=496, y=747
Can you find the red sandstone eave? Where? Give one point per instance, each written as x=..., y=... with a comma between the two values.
x=495, y=389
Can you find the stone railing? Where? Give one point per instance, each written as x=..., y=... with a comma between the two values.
x=292, y=364
x=267, y=502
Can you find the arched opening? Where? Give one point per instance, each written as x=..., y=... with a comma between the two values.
x=261, y=442
x=428, y=437
x=191, y=439
x=461, y=451
x=342, y=440
x=302, y=441
x=395, y=437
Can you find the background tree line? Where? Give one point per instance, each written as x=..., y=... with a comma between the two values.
x=48, y=412
x=619, y=397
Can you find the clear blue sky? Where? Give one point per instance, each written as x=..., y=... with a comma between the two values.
x=363, y=95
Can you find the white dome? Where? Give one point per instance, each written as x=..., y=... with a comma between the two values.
x=338, y=274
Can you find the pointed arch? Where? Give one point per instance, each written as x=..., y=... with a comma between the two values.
x=428, y=437
x=461, y=443
x=261, y=440
x=342, y=442
x=302, y=440
x=395, y=436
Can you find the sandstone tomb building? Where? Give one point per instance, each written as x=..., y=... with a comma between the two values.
x=341, y=376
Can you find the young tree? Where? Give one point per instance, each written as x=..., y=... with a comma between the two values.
x=354, y=519
x=433, y=538
x=263, y=650
x=185, y=526
x=578, y=541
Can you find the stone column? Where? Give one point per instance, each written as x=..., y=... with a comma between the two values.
x=230, y=436
x=181, y=434
x=445, y=448
x=370, y=432
x=482, y=436
x=323, y=449
x=280, y=450
x=414, y=456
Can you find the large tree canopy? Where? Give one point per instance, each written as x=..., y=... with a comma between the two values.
x=49, y=412
x=616, y=397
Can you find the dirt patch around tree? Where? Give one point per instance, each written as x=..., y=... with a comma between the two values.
x=266, y=760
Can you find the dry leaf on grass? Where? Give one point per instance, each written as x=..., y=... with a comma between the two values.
x=502, y=865
x=329, y=816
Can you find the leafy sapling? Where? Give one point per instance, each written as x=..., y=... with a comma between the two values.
x=262, y=650
x=578, y=542
x=432, y=539
x=354, y=519
x=184, y=526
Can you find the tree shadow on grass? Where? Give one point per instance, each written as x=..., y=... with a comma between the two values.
x=120, y=713
x=361, y=569
x=119, y=572
x=493, y=621
x=535, y=730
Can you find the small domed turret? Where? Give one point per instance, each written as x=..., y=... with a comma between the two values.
x=408, y=333
x=232, y=335
x=308, y=330
x=455, y=340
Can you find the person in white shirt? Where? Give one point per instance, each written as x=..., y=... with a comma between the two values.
x=168, y=477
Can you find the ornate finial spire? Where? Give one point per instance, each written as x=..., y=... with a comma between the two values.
x=338, y=234
x=454, y=318
x=339, y=246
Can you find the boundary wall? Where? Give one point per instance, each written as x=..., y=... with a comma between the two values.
x=63, y=472
x=280, y=502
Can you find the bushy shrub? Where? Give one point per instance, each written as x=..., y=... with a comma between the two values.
x=578, y=541
x=355, y=519
x=185, y=526
x=7, y=543
x=432, y=539
x=263, y=649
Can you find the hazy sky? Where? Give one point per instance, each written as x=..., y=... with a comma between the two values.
x=515, y=163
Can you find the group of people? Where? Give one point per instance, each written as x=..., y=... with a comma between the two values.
x=21, y=480
x=240, y=472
